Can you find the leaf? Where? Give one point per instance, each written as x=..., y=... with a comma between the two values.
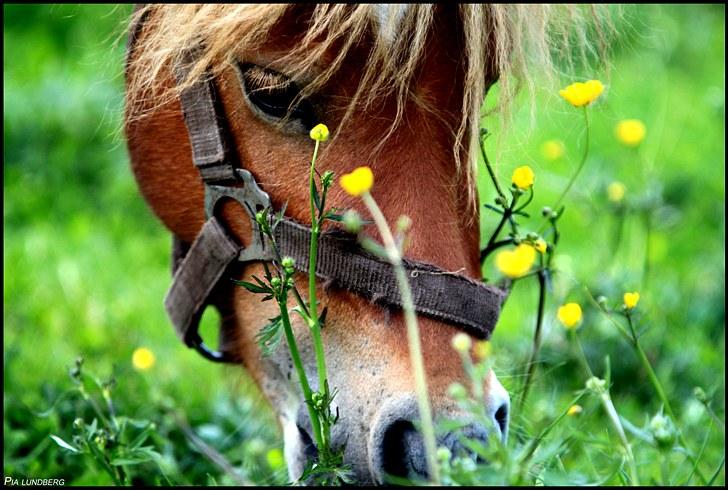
x=333, y=216
x=138, y=456
x=270, y=336
x=252, y=287
x=316, y=197
x=493, y=208
x=139, y=440
x=63, y=444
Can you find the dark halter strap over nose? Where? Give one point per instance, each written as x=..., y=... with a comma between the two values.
x=450, y=298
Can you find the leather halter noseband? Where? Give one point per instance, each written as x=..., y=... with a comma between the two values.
x=450, y=298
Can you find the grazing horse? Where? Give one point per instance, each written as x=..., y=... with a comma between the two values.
x=401, y=88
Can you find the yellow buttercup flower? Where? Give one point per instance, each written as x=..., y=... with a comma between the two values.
x=580, y=94
x=515, y=263
x=616, y=191
x=553, y=149
x=357, y=182
x=540, y=245
x=143, y=359
x=631, y=299
x=320, y=132
x=523, y=177
x=630, y=132
x=574, y=410
x=570, y=315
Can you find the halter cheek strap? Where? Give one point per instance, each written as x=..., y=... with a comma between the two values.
x=450, y=298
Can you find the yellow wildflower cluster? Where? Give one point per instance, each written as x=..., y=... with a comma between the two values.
x=580, y=94
x=515, y=263
x=569, y=315
x=523, y=177
x=630, y=132
x=357, y=182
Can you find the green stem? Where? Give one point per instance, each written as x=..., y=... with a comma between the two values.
x=661, y=394
x=493, y=246
x=610, y=410
x=314, y=324
x=536, y=441
x=578, y=170
x=531, y=366
x=315, y=426
x=646, y=263
x=581, y=164
x=413, y=336
x=491, y=172
x=581, y=356
x=614, y=418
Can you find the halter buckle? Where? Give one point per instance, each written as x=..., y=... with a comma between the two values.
x=252, y=199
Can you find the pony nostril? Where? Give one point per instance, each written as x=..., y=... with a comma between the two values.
x=403, y=451
x=309, y=448
x=501, y=419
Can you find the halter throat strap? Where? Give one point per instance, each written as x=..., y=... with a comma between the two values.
x=342, y=263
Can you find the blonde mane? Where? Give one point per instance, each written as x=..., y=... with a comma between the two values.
x=515, y=41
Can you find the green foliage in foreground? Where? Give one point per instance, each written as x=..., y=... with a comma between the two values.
x=86, y=266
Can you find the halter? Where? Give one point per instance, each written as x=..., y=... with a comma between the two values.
x=444, y=296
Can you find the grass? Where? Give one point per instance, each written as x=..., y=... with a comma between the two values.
x=84, y=260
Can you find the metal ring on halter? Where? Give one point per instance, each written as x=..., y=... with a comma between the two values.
x=252, y=199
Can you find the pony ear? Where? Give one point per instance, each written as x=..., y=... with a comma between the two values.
x=160, y=152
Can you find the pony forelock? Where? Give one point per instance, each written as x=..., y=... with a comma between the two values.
x=515, y=41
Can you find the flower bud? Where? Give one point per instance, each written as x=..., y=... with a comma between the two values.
x=290, y=283
x=403, y=223
x=602, y=302
x=546, y=211
x=663, y=431
x=501, y=201
x=700, y=395
x=319, y=132
x=275, y=282
x=260, y=218
x=443, y=454
x=352, y=221
x=457, y=391
x=596, y=385
x=461, y=342
x=288, y=262
x=327, y=179
x=78, y=423
x=574, y=410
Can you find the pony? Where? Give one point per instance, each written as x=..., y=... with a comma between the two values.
x=402, y=88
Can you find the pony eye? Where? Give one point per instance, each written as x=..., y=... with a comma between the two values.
x=276, y=97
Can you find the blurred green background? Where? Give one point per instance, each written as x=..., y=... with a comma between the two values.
x=86, y=265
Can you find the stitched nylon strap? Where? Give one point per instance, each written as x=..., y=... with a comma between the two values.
x=196, y=276
x=450, y=298
x=205, y=130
